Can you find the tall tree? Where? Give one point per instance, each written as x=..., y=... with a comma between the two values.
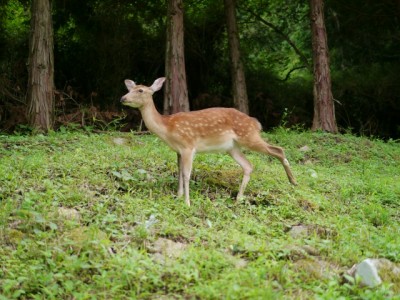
x=324, y=108
x=40, y=97
x=176, y=94
x=239, y=89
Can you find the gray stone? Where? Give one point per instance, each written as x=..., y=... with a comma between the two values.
x=165, y=248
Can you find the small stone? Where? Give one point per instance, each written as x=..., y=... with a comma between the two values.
x=312, y=173
x=119, y=141
x=310, y=250
x=240, y=263
x=167, y=248
x=159, y=258
x=295, y=252
x=69, y=214
x=298, y=231
x=301, y=231
x=305, y=149
x=150, y=222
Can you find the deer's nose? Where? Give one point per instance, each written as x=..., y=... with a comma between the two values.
x=122, y=99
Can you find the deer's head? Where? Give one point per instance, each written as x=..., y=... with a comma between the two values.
x=139, y=95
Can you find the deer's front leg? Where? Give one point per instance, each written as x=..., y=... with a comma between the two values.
x=186, y=170
x=239, y=157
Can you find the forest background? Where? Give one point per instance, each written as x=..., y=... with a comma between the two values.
x=98, y=44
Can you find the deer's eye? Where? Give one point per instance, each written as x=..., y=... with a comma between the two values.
x=140, y=90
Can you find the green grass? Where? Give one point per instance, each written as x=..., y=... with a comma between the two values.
x=80, y=213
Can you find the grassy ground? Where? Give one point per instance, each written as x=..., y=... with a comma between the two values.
x=94, y=216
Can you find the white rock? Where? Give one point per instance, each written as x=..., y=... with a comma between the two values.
x=373, y=271
x=367, y=270
x=151, y=221
x=313, y=173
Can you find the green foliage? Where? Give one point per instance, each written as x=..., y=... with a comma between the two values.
x=266, y=33
x=16, y=20
x=81, y=214
x=98, y=44
x=14, y=36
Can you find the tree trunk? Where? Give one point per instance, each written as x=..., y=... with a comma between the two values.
x=239, y=89
x=40, y=97
x=175, y=94
x=324, y=109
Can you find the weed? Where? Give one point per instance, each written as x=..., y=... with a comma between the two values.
x=80, y=213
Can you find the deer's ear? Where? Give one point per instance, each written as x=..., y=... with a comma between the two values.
x=158, y=83
x=129, y=84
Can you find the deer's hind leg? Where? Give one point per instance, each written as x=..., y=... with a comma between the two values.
x=256, y=143
x=180, y=176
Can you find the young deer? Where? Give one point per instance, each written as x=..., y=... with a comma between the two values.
x=213, y=129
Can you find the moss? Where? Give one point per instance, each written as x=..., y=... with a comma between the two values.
x=86, y=238
x=13, y=236
x=390, y=273
x=315, y=269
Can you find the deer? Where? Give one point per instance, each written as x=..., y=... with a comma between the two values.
x=217, y=129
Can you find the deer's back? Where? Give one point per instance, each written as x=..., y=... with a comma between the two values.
x=212, y=129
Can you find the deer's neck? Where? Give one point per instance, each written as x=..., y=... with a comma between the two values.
x=153, y=120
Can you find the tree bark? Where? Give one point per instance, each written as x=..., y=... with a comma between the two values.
x=40, y=96
x=324, y=108
x=175, y=94
x=239, y=89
